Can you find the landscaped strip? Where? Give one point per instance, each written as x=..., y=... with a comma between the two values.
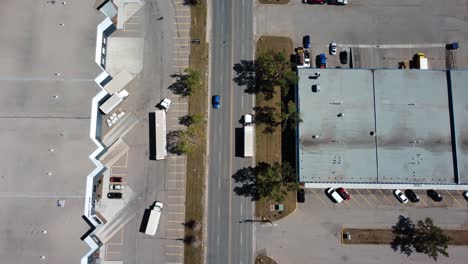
x=385, y=236
x=196, y=159
x=268, y=145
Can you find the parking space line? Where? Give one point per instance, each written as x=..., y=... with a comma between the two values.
x=176, y=180
x=181, y=196
x=119, y=174
x=459, y=204
x=319, y=198
x=176, y=213
x=357, y=202
x=173, y=254
x=182, y=16
x=178, y=246
x=180, y=59
x=175, y=229
x=367, y=201
x=384, y=195
x=377, y=201
x=424, y=202
x=174, y=221
x=183, y=30
x=113, y=252
x=176, y=205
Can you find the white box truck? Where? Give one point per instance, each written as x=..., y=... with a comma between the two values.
x=113, y=101
x=248, y=136
x=153, y=220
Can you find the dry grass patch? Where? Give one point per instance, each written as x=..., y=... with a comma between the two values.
x=195, y=181
x=385, y=236
x=268, y=146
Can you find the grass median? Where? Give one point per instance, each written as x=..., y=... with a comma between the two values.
x=268, y=146
x=196, y=160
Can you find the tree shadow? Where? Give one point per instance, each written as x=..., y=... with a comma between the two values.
x=173, y=138
x=266, y=115
x=186, y=120
x=179, y=87
x=190, y=2
x=245, y=71
x=247, y=178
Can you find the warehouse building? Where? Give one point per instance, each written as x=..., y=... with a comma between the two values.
x=381, y=128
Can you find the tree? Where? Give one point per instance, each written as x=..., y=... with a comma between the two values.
x=271, y=182
x=424, y=238
x=289, y=116
x=193, y=80
x=274, y=69
x=188, y=120
x=274, y=182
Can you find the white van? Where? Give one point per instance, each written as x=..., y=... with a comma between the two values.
x=334, y=195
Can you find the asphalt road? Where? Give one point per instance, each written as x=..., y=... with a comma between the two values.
x=230, y=240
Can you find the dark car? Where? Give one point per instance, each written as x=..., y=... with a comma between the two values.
x=343, y=193
x=412, y=196
x=216, y=101
x=115, y=179
x=321, y=2
x=306, y=41
x=114, y=195
x=301, y=196
x=344, y=57
x=434, y=195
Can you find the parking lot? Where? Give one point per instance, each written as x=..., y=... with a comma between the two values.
x=314, y=230
x=377, y=199
x=146, y=180
x=380, y=34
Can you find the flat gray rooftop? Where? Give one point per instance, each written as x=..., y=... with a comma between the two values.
x=459, y=81
x=44, y=128
x=377, y=126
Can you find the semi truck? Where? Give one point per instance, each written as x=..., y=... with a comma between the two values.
x=113, y=101
x=160, y=131
x=153, y=219
x=248, y=136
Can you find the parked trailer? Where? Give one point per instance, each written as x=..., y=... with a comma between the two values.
x=153, y=220
x=160, y=130
x=113, y=101
x=248, y=136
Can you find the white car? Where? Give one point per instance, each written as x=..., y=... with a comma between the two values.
x=400, y=196
x=116, y=187
x=465, y=194
x=332, y=48
x=334, y=195
x=165, y=104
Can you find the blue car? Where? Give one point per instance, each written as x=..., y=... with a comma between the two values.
x=306, y=42
x=215, y=101
x=323, y=61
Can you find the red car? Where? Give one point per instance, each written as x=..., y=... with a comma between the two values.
x=343, y=193
x=321, y=2
x=115, y=179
